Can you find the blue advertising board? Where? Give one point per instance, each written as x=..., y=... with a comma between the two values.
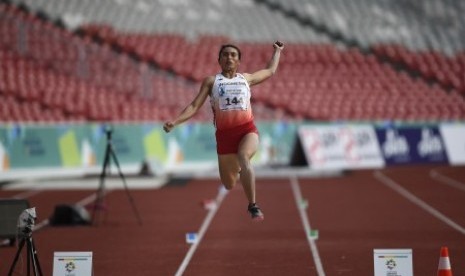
x=411, y=145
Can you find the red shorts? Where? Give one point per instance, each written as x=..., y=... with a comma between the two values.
x=228, y=140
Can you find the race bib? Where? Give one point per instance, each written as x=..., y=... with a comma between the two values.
x=233, y=99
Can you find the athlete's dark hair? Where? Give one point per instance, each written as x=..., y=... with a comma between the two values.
x=229, y=45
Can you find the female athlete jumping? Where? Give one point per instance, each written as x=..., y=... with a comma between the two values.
x=236, y=135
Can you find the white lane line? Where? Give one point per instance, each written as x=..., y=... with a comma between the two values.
x=27, y=194
x=41, y=225
x=91, y=198
x=405, y=193
x=306, y=223
x=447, y=180
x=206, y=223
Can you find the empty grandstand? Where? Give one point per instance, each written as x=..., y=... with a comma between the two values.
x=134, y=61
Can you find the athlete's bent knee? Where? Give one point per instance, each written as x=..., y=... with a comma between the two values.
x=228, y=183
x=228, y=186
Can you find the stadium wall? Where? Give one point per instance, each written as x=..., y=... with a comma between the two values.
x=31, y=150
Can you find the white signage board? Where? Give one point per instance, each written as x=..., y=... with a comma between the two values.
x=393, y=262
x=453, y=136
x=341, y=146
x=72, y=264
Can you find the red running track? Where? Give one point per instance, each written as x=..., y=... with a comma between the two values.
x=404, y=207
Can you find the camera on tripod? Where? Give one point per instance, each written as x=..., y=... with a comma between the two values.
x=26, y=223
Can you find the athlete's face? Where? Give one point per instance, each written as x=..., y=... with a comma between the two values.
x=229, y=59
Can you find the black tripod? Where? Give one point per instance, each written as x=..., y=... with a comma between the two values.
x=109, y=153
x=31, y=256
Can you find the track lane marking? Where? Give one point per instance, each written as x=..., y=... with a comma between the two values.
x=27, y=194
x=447, y=180
x=411, y=197
x=203, y=229
x=306, y=224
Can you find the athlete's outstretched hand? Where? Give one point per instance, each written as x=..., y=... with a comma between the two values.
x=168, y=126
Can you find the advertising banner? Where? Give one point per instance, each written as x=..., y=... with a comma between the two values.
x=69, y=139
x=340, y=146
x=29, y=146
x=126, y=141
x=196, y=141
x=411, y=145
x=277, y=141
x=4, y=158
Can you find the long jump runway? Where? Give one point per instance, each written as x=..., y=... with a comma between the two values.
x=313, y=226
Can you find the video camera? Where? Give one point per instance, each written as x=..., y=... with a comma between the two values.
x=26, y=222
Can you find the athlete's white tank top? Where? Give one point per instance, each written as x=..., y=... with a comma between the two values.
x=230, y=101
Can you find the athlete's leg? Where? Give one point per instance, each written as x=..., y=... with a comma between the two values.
x=229, y=168
x=247, y=149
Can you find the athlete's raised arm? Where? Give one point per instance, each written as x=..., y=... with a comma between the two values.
x=261, y=75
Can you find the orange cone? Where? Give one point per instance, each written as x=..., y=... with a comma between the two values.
x=444, y=268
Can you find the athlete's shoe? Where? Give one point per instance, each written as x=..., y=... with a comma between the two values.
x=255, y=212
